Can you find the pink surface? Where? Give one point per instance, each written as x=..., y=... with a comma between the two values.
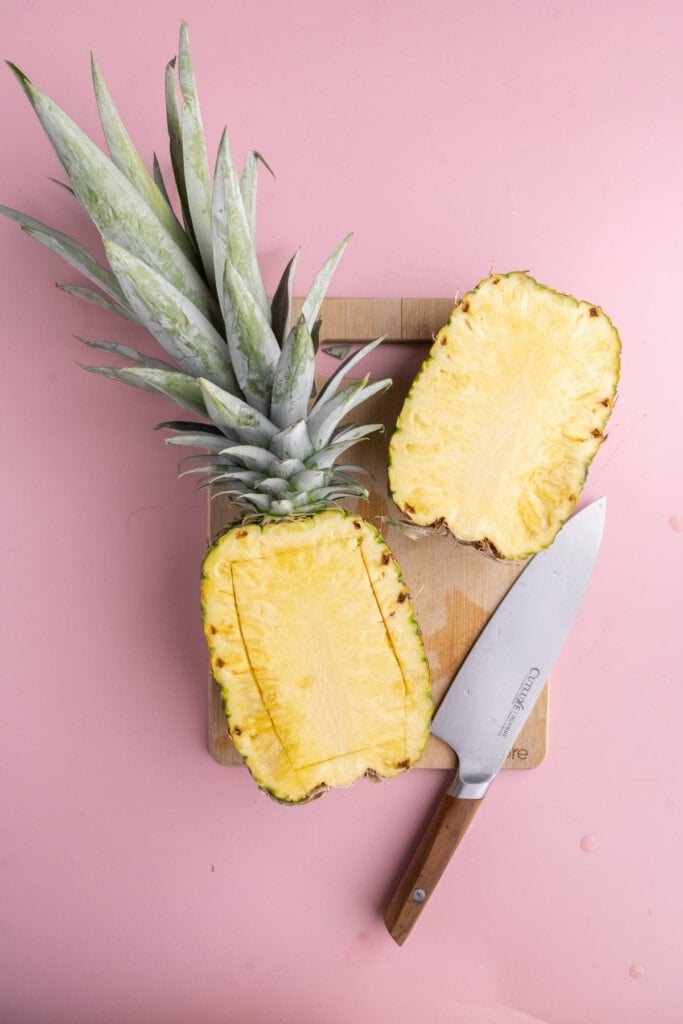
x=143, y=883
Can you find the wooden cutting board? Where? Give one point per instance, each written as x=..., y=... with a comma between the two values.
x=454, y=588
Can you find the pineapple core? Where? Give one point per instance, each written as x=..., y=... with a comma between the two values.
x=316, y=652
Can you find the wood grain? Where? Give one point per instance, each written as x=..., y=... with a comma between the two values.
x=427, y=864
x=454, y=588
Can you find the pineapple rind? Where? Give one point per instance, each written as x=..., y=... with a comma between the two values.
x=493, y=444
x=395, y=702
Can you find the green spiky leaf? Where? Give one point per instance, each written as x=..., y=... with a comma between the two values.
x=179, y=327
x=254, y=351
x=68, y=250
x=294, y=377
x=113, y=348
x=327, y=415
x=180, y=388
x=281, y=304
x=248, y=182
x=195, y=160
x=331, y=387
x=115, y=207
x=313, y=301
x=233, y=242
x=326, y=458
x=112, y=306
x=175, y=141
x=125, y=156
x=293, y=442
x=230, y=412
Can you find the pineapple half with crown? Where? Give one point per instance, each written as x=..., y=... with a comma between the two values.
x=312, y=637
x=505, y=416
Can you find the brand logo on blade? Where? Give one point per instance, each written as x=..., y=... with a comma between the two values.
x=520, y=701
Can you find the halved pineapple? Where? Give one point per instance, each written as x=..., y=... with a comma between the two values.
x=313, y=645
x=312, y=638
x=506, y=414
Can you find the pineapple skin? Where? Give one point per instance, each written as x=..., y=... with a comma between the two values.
x=431, y=480
x=316, y=652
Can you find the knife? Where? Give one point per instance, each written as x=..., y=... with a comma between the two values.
x=493, y=694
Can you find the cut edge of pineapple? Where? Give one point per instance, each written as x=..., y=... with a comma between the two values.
x=250, y=721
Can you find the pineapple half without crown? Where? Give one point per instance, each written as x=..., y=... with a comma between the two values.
x=312, y=637
x=496, y=435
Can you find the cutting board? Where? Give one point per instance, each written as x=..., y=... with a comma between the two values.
x=454, y=587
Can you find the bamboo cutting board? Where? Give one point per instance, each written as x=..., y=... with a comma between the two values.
x=454, y=588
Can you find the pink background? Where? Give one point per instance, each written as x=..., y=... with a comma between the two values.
x=142, y=882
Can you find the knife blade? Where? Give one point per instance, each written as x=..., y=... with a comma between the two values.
x=493, y=693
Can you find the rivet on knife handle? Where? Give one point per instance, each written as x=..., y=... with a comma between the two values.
x=438, y=844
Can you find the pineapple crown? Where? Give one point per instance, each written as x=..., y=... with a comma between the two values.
x=194, y=283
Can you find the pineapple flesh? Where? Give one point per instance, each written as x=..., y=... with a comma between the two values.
x=505, y=416
x=285, y=587
x=311, y=632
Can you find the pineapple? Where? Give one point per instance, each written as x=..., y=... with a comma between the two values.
x=501, y=423
x=311, y=632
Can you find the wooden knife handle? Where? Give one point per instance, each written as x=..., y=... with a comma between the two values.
x=438, y=844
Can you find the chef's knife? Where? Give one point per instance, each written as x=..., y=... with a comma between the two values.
x=493, y=693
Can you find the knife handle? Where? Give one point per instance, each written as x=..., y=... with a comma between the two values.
x=427, y=864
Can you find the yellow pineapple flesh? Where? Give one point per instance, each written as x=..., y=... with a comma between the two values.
x=316, y=652
x=506, y=414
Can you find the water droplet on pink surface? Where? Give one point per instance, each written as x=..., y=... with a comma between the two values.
x=588, y=843
x=636, y=971
x=676, y=522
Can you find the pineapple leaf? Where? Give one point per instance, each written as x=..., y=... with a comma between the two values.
x=175, y=140
x=310, y=479
x=195, y=435
x=294, y=377
x=348, y=473
x=68, y=250
x=254, y=351
x=159, y=179
x=331, y=387
x=248, y=186
x=115, y=207
x=178, y=387
x=293, y=442
x=242, y=476
x=326, y=458
x=315, y=334
x=195, y=160
x=327, y=494
x=112, y=306
x=230, y=413
x=281, y=305
x=265, y=461
x=313, y=300
x=63, y=186
x=258, y=502
x=337, y=351
x=125, y=352
x=233, y=242
x=188, y=426
x=212, y=442
x=179, y=327
x=251, y=456
x=327, y=415
x=210, y=464
x=127, y=159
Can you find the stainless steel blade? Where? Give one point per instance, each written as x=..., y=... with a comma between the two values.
x=495, y=689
